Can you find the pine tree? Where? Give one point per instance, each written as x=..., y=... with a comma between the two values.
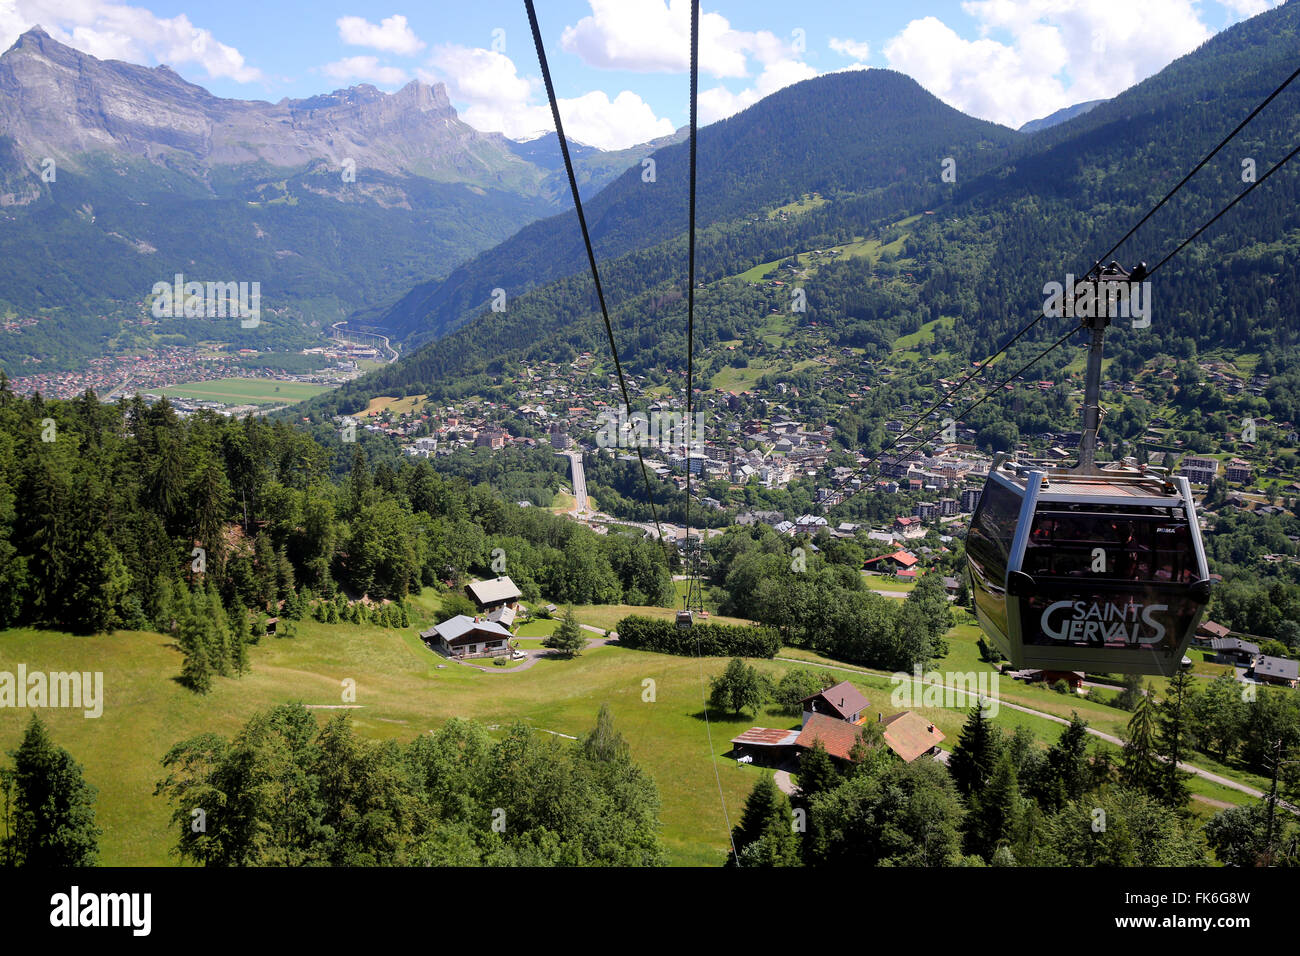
x=1065, y=773
x=567, y=638
x=192, y=635
x=1139, y=769
x=52, y=807
x=764, y=804
x=995, y=810
x=975, y=756
x=1175, y=738
x=230, y=636
x=817, y=773
x=220, y=645
x=777, y=845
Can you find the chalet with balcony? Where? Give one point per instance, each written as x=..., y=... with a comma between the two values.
x=497, y=600
x=464, y=637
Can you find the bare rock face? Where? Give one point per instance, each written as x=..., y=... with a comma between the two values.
x=58, y=102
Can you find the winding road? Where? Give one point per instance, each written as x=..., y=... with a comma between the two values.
x=339, y=333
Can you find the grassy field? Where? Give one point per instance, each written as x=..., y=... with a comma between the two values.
x=924, y=335
x=537, y=628
x=806, y=204
x=756, y=274
x=607, y=616
x=398, y=406
x=887, y=582
x=246, y=391
x=564, y=502
x=731, y=379
x=403, y=690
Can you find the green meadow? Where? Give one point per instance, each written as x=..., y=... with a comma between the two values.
x=403, y=690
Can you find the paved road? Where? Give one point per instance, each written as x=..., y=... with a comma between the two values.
x=1110, y=738
x=339, y=333
x=579, y=482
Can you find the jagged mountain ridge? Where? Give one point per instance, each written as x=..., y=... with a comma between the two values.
x=57, y=101
x=114, y=176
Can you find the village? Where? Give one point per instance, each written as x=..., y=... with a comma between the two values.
x=757, y=438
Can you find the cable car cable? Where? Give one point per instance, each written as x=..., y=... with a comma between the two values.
x=986, y=362
x=1215, y=218
x=591, y=255
x=693, y=583
x=591, y=258
x=1195, y=169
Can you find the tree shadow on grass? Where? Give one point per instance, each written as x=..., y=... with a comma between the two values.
x=725, y=716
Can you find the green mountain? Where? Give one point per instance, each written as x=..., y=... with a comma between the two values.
x=1059, y=116
x=887, y=135
x=114, y=177
x=1024, y=210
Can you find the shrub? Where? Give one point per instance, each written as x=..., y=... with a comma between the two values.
x=706, y=639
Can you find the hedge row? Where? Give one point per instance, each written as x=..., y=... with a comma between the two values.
x=706, y=639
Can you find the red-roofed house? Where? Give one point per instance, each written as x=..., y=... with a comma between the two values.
x=909, y=527
x=842, y=702
x=910, y=735
x=838, y=737
x=897, y=561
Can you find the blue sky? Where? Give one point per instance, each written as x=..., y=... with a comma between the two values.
x=620, y=65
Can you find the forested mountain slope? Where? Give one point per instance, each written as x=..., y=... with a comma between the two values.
x=843, y=134
x=1024, y=210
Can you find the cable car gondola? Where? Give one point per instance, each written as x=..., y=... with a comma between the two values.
x=1088, y=568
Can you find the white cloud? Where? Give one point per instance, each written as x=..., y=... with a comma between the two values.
x=120, y=32
x=719, y=102
x=595, y=119
x=491, y=95
x=1053, y=53
x=1249, y=8
x=653, y=36
x=391, y=35
x=853, y=48
x=366, y=68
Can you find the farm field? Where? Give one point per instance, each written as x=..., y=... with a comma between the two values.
x=246, y=391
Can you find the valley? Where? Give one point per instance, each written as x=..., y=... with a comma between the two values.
x=408, y=518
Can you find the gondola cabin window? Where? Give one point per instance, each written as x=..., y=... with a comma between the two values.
x=1110, y=545
x=988, y=549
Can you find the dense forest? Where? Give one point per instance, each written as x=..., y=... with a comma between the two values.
x=107, y=511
